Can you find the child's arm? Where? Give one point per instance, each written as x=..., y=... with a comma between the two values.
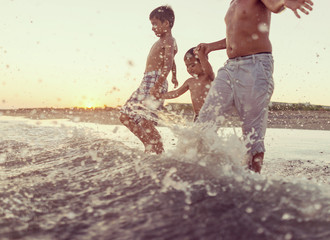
x=176, y=93
x=210, y=47
x=168, y=62
x=205, y=63
x=174, y=80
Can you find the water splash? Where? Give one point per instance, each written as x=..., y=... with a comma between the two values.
x=63, y=182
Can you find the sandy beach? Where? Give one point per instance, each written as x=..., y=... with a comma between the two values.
x=288, y=119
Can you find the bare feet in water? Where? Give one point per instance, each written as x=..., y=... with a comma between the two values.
x=256, y=162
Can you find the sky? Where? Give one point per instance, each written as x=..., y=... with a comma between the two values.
x=92, y=53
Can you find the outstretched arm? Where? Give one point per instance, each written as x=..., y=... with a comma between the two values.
x=205, y=62
x=176, y=93
x=278, y=5
x=210, y=47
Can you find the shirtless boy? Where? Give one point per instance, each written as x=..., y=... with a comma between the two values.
x=202, y=74
x=139, y=112
x=246, y=80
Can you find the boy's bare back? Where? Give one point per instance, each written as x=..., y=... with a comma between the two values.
x=163, y=47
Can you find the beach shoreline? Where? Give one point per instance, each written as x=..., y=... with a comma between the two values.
x=287, y=119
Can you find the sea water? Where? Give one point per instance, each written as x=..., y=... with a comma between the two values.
x=71, y=180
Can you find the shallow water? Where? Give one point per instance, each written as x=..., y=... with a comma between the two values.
x=66, y=180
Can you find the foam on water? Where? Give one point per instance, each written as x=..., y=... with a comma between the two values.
x=65, y=180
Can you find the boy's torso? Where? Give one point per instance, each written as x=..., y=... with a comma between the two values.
x=199, y=89
x=155, y=60
x=247, y=27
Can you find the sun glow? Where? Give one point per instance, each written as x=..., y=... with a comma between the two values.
x=89, y=105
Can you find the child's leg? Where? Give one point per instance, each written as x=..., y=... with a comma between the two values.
x=135, y=128
x=153, y=137
x=145, y=131
x=253, y=92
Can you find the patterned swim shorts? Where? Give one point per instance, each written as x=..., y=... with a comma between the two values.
x=141, y=105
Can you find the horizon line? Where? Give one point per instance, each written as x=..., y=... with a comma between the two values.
x=118, y=106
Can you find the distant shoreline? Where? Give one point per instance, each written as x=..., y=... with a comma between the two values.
x=280, y=116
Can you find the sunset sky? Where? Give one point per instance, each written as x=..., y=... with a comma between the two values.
x=86, y=53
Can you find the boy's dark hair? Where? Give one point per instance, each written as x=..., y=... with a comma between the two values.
x=163, y=13
x=190, y=53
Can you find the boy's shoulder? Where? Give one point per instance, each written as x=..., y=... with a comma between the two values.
x=165, y=42
x=191, y=80
x=168, y=40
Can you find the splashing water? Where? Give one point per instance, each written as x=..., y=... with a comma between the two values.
x=71, y=181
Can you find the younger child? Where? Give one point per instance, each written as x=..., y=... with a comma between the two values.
x=202, y=74
x=139, y=112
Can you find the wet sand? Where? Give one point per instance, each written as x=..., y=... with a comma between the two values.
x=288, y=119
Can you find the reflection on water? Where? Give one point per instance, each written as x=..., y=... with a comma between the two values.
x=63, y=182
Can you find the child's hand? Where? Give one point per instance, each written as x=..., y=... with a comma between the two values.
x=202, y=48
x=175, y=82
x=200, y=52
x=303, y=5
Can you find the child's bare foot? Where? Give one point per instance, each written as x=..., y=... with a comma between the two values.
x=256, y=162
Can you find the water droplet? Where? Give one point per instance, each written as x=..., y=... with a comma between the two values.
x=263, y=27
x=249, y=210
x=258, y=187
x=317, y=206
x=288, y=236
x=287, y=216
x=255, y=36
